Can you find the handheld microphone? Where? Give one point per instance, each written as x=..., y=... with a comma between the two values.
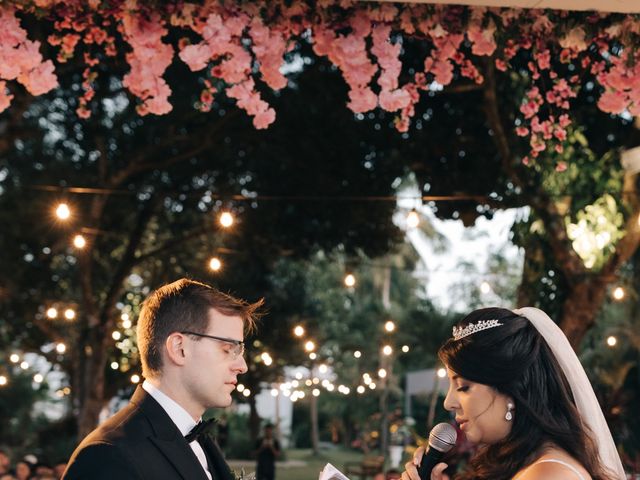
x=441, y=439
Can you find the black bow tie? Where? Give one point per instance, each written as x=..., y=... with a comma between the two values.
x=201, y=428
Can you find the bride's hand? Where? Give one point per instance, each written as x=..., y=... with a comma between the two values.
x=411, y=468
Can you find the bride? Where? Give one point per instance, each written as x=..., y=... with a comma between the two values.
x=518, y=390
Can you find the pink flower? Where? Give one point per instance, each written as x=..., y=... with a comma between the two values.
x=394, y=100
x=561, y=166
x=560, y=134
x=362, y=100
x=195, y=56
x=574, y=40
x=5, y=97
x=269, y=49
x=543, y=59
x=612, y=102
x=148, y=59
x=522, y=131
x=482, y=40
x=83, y=112
x=41, y=79
x=264, y=119
x=442, y=70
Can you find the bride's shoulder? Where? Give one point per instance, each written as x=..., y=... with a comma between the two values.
x=554, y=464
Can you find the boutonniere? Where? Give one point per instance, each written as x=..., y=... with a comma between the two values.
x=244, y=476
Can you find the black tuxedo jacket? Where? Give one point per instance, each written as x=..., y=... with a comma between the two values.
x=141, y=442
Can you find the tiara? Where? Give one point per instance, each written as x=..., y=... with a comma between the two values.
x=472, y=328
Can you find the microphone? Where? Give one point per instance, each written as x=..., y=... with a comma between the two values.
x=441, y=439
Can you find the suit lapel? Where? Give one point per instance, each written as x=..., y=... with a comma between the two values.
x=217, y=461
x=168, y=438
x=179, y=453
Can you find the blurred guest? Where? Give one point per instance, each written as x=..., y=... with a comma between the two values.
x=268, y=449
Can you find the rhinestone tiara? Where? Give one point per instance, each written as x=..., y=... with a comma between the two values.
x=472, y=328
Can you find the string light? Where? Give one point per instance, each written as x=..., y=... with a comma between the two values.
x=69, y=314
x=274, y=392
x=135, y=378
x=240, y=387
x=485, y=287
x=14, y=358
x=387, y=350
x=442, y=373
x=38, y=378
x=226, y=219
x=405, y=348
x=315, y=392
x=215, y=264
x=357, y=354
x=114, y=365
x=349, y=280
x=313, y=356
x=24, y=365
x=116, y=335
x=266, y=358
x=3, y=380
x=246, y=392
x=360, y=389
x=298, y=331
x=612, y=341
x=52, y=313
x=389, y=326
x=79, y=241
x=413, y=219
x=309, y=346
x=323, y=368
x=62, y=211
x=61, y=348
x=382, y=373
x=618, y=293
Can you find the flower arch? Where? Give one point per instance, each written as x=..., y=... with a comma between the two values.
x=236, y=45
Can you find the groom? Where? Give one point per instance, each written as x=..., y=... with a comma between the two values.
x=190, y=338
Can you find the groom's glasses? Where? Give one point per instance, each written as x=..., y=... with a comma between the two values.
x=237, y=349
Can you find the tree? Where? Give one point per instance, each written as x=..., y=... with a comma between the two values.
x=145, y=193
x=150, y=185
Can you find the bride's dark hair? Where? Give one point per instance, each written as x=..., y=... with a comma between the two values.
x=515, y=360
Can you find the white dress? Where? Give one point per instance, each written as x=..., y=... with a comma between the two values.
x=553, y=460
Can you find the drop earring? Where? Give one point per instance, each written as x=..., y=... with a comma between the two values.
x=509, y=416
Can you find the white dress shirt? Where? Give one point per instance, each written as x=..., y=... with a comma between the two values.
x=181, y=418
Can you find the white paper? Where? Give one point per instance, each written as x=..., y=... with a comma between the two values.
x=329, y=472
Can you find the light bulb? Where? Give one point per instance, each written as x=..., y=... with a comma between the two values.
x=226, y=219
x=62, y=211
x=413, y=219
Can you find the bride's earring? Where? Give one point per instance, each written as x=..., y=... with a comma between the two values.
x=509, y=416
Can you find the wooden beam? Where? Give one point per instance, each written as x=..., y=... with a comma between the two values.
x=620, y=6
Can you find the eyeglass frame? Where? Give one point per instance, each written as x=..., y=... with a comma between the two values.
x=236, y=343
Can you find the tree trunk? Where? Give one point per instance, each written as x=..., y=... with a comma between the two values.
x=254, y=419
x=581, y=307
x=315, y=437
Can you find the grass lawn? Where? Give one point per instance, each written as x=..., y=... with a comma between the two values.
x=302, y=465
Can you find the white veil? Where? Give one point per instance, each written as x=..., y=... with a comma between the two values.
x=581, y=388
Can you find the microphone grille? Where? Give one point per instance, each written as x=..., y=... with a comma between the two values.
x=443, y=437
